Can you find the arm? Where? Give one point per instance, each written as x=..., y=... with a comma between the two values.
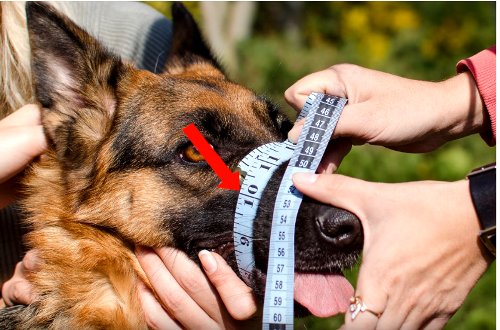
x=399, y=113
x=421, y=255
x=482, y=66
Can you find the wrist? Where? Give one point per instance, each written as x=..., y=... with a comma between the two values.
x=482, y=187
x=466, y=227
x=464, y=106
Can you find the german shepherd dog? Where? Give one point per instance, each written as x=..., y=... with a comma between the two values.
x=119, y=172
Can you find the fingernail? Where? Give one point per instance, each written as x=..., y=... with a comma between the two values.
x=305, y=178
x=208, y=261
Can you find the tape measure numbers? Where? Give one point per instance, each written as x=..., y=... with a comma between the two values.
x=322, y=113
x=257, y=168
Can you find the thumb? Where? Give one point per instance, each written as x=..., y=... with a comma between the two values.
x=354, y=195
x=325, y=81
x=344, y=192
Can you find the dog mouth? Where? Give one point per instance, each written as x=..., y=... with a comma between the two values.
x=319, y=294
x=324, y=295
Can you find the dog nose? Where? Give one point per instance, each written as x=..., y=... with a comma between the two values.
x=340, y=228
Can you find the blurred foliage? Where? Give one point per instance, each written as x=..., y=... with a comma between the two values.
x=419, y=40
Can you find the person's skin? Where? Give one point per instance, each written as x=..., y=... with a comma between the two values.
x=421, y=254
x=22, y=139
x=398, y=113
x=187, y=298
x=198, y=302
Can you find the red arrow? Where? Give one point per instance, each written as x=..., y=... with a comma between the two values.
x=229, y=180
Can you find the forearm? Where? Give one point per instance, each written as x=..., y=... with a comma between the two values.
x=463, y=112
x=402, y=114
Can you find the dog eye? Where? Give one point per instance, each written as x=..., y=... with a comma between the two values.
x=191, y=154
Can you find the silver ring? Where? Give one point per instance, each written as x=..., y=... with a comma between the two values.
x=358, y=306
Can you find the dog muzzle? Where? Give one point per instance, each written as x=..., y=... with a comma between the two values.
x=256, y=169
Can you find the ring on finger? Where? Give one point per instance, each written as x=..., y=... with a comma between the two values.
x=358, y=306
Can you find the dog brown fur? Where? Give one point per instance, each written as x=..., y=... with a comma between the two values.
x=116, y=176
x=87, y=215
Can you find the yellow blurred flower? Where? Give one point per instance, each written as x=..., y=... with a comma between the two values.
x=376, y=45
x=356, y=21
x=404, y=18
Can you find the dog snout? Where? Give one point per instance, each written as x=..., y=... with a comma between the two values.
x=339, y=227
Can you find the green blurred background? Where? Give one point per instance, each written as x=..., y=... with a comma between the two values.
x=284, y=41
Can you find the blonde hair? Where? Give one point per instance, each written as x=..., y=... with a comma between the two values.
x=15, y=70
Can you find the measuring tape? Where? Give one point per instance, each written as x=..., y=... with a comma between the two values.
x=322, y=113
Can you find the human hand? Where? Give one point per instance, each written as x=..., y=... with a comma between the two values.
x=21, y=140
x=17, y=290
x=421, y=253
x=188, y=298
x=402, y=114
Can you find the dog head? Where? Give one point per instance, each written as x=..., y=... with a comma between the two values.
x=119, y=161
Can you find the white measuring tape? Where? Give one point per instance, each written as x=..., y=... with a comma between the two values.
x=322, y=113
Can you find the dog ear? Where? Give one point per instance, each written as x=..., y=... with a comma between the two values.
x=74, y=79
x=188, y=46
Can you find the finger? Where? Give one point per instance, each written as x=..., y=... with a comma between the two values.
x=294, y=133
x=436, y=323
x=422, y=310
x=174, y=298
x=363, y=321
x=373, y=296
x=349, y=126
x=334, y=189
x=416, y=318
x=31, y=261
x=336, y=150
x=19, y=146
x=18, y=290
x=325, y=81
x=371, y=289
x=155, y=315
x=395, y=313
x=28, y=115
x=236, y=295
x=194, y=282
x=374, y=302
x=344, y=192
